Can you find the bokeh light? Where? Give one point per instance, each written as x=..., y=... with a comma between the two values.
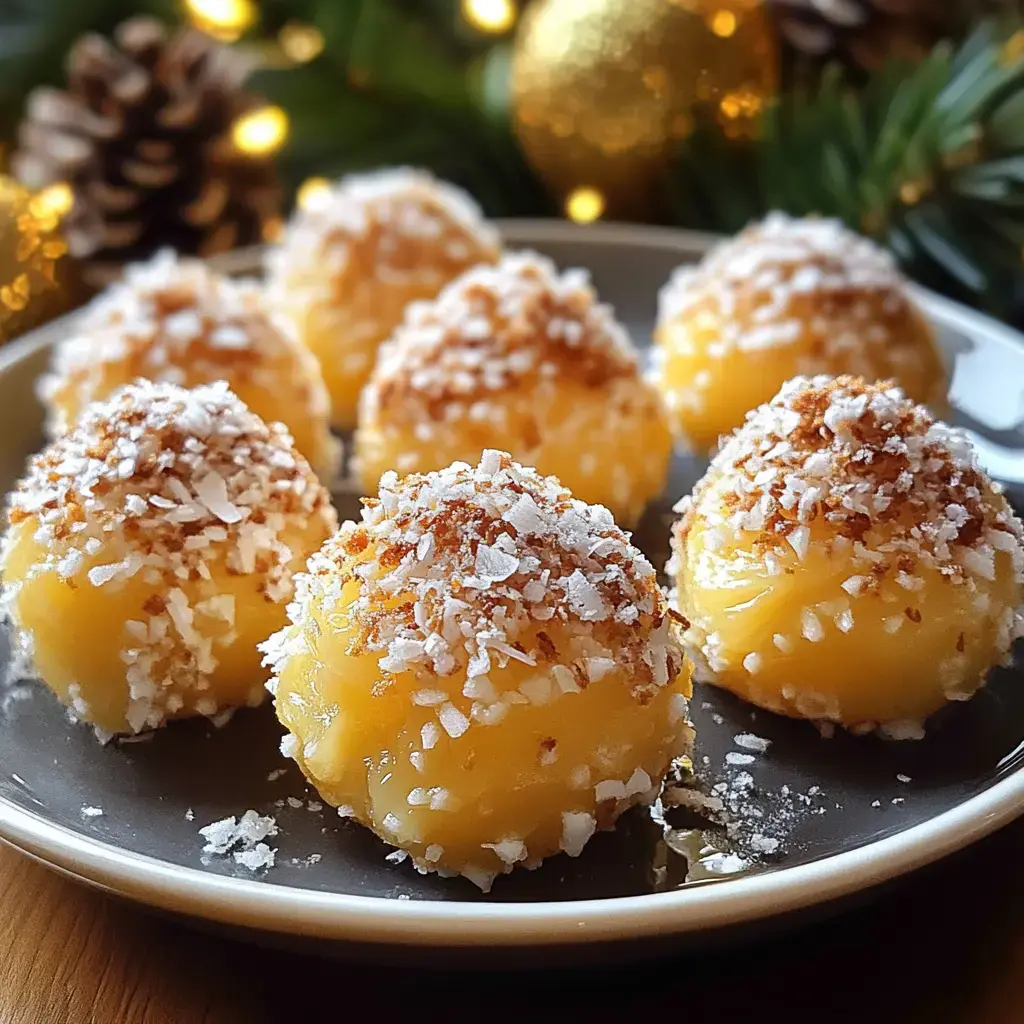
x=584, y=205
x=261, y=132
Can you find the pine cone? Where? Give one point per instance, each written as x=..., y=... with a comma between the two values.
x=143, y=135
x=863, y=33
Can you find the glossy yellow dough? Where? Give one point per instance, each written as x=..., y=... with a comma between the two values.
x=179, y=322
x=152, y=548
x=483, y=671
x=520, y=357
x=786, y=297
x=350, y=264
x=846, y=560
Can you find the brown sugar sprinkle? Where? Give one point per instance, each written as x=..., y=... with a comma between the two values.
x=175, y=320
x=162, y=483
x=497, y=328
x=473, y=565
x=858, y=467
x=785, y=276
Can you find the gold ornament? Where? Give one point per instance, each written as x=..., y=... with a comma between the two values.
x=34, y=270
x=603, y=90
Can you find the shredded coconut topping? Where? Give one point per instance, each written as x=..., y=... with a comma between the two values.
x=513, y=325
x=164, y=482
x=861, y=474
x=857, y=466
x=448, y=583
x=177, y=321
x=784, y=276
x=398, y=228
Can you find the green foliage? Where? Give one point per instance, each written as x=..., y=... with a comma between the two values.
x=927, y=158
x=397, y=83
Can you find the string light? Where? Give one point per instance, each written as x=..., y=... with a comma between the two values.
x=225, y=20
x=584, y=205
x=313, y=193
x=261, y=132
x=723, y=23
x=301, y=43
x=911, y=192
x=491, y=16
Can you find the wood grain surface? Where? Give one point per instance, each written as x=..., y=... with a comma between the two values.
x=944, y=946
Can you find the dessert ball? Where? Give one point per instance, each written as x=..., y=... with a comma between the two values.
x=177, y=321
x=151, y=548
x=483, y=671
x=518, y=356
x=786, y=297
x=846, y=560
x=348, y=266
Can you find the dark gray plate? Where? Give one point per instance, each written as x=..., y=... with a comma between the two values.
x=840, y=810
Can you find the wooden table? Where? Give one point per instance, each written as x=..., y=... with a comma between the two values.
x=946, y=946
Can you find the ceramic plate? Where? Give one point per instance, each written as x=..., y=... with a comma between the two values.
x=823, y=818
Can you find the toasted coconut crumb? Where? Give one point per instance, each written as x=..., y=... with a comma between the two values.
x=762, y=283
x=512, y=325
x=169, y=316
x=168, y=480
x=874, y=480
x=476, y=588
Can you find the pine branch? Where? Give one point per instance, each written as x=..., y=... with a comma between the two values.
x=391, y=87
x=928, y=158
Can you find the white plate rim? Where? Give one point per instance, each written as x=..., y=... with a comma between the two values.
x=368, y=919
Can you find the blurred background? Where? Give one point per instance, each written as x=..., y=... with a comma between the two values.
x=130, y=125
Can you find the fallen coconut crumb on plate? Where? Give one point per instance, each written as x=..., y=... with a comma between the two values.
x=242, y=838
x=92, y=812
x=748, y=741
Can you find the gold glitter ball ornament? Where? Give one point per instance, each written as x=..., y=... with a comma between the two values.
x=33, y=263
x=603, y=90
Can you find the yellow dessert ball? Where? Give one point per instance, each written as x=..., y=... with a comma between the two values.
x=783, y=298
x=846, y=560
x=349, y=264
x=179, y=322
x=519, y=356
x=483, y=670
x=151, y=548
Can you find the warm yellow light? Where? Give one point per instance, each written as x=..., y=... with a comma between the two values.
x=584, y=205
x=52, y=202
x=223, y=19
x=912, y=191
x=301, y=43
x=723, y=23
x=493, y=16
x=313, y=193
x=261, y=132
